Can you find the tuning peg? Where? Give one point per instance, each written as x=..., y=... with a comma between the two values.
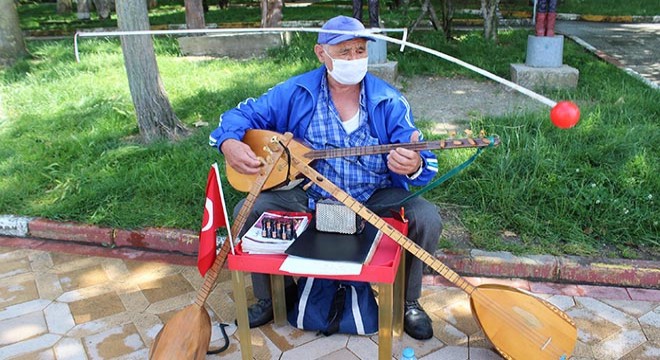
x=273, y=146
x=267, y=149
x=482, y=133
x=468, y=133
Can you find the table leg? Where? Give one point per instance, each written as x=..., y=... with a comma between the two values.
x=279, y=299
x=240, y=299
x=385, y=294
x=399, y=296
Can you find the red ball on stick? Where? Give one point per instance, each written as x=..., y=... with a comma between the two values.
x=565, y=114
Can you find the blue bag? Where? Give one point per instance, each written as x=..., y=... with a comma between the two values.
x=335, y=306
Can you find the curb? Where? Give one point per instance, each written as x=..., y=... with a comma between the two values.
x=559, y=269
x=564, y=269
x=183, y=242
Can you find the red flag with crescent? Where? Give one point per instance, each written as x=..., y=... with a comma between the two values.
x=215, y=217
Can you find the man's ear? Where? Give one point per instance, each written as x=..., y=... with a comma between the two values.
x=320, y=53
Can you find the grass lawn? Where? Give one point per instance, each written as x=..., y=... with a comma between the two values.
x=69, y=146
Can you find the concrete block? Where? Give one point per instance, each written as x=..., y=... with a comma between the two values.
x=564, y=77
x=237, y=46
x=386, y=71
x=377, y=51
x=11, y=225
x=545, y=51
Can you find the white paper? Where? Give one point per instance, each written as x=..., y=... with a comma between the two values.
x=300, y=265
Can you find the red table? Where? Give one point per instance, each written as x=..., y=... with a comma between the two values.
x=386, y=269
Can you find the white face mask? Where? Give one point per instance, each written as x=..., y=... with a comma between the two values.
x=348, y=72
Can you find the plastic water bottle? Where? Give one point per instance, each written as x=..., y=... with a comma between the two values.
x=408, y=354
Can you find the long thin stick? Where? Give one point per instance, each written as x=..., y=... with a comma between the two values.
x=372, y=33
x=476, y=69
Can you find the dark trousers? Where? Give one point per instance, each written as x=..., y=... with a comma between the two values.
x=546, y=6
x=373, y=12
x=424, y=228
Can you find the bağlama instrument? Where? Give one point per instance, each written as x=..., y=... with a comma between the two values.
x=188, y=333
x=281, y=175
x=519, y=325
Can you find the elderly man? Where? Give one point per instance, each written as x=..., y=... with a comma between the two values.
x=340, y=104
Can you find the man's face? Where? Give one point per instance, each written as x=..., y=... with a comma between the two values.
x=347, y=50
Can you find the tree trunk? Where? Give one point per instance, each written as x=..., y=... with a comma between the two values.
x=271, y=13
x=155, y=116
x=84, y=9
x=195, y=14
x=104, y=8
x=64, y=7
x=447, y=18
x=489, y=13
x=152, y=4
x=12, y=46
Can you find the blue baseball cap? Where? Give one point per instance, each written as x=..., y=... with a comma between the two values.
x=341, y=23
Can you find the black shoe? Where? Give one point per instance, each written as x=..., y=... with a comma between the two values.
x=261, y=312
x=416, y=322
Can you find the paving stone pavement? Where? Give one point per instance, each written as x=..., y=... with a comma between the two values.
x=632, y=47
x=63, y=305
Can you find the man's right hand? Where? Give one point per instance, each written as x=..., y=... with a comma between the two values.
x=240, y=157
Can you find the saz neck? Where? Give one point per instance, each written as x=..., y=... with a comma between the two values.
x=416, y=146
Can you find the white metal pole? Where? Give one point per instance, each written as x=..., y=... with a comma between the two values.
x=478, y=70
x=370, y=33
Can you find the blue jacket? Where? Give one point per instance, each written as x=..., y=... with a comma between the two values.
x=290, y=105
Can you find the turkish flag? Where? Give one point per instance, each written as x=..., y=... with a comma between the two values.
x=215, y=217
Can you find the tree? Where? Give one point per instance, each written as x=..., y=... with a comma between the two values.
x=12, y=45
x=447, y=18
x=83, y=9
x=271, y=13
x=489, y=13
x=63, y=6
x=194, y=14
x=155, y=117
x=427, y=10
x=104, y=8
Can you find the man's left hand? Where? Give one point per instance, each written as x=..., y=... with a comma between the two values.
x=404, y=161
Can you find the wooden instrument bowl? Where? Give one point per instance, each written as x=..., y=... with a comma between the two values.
x=185, y=336
x=522, y=326
x=258, y=140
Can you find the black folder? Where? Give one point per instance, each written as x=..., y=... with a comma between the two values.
x=320, y=245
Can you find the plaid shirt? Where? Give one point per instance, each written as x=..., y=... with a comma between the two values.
x=360, y=176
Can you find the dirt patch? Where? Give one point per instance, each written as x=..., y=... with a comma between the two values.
x=454, y=234
x=453, y=102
